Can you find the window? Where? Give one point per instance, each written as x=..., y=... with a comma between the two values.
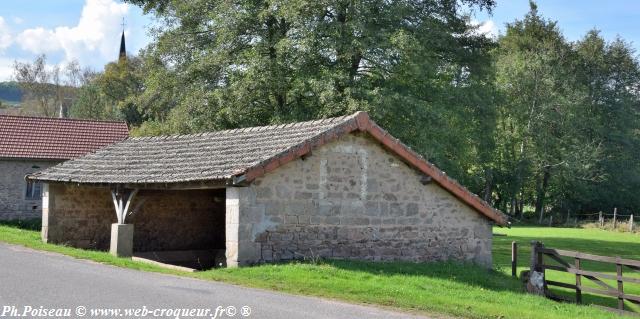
x=34, y=190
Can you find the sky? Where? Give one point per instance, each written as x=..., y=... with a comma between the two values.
x=84, y=30
x=575, y=17
x=89, y=30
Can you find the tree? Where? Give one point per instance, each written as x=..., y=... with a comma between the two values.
x=110, y=94
x=48, y=91
x=541, y=122
x=419, y=67
x=611, y=74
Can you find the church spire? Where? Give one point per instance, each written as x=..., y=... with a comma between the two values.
x=123, y=49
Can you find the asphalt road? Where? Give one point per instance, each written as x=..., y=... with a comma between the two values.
x=48, y=282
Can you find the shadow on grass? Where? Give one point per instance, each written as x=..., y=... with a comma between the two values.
x=27, y=224
x=468, y=274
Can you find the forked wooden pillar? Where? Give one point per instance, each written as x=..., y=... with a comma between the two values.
x=121, y=233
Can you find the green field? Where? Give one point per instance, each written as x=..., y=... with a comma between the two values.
x=440, y=288
x=594, y=241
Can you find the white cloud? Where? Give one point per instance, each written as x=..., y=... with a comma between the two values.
x=38, y=40
x=95, y=36
x=488, y=28
x=17, y=20
x=6, y=69
x=5, y=35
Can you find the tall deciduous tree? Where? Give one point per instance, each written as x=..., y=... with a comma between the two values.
x=542, y=120
x=48, y=90
x=419, y=67
x=610, y=73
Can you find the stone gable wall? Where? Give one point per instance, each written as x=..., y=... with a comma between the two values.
x=351, y=199
x=167, y=220
x=13, y=188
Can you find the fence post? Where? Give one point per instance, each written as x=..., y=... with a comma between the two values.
x=631, y=223
x=615, y=217
x=514, y=259
x=620, y=287
x=536, y=256
x=600, y=219
x=536, y=283
x=578, y=283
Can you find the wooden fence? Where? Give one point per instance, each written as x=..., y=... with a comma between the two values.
x=614, y=220
x=540, y=256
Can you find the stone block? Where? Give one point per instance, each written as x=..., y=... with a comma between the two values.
x=303, y=195
x=121, y=240
x=264, y=192
x=332, y=220
x=283, y=192
x=303, y=220
x=412, y=209
x=291, y=219
x=354, y=221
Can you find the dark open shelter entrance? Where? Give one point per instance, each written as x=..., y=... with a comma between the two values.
x=180, y=227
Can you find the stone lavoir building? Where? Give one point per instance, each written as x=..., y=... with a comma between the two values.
x=336, y=188
x=29, y=144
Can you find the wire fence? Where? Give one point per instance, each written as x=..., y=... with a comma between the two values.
x=602, y=220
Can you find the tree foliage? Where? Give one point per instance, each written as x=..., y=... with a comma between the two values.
x=109, y=94
x=48, y=90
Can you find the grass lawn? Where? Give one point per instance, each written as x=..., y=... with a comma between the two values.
x=439, y=288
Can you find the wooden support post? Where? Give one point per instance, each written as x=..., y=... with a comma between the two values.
x=568, y=216
x=620, y=287
x=600, y=219
x=535, y=259
x=578, y=283
x=550, y=220
x=631, y=223
x=615, y=217
x=122, y=201
x=122, y=234
x=514, y=259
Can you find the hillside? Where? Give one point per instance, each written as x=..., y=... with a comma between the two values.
x=10, y=93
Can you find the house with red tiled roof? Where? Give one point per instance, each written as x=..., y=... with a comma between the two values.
x=30, y=144
x=337, y=188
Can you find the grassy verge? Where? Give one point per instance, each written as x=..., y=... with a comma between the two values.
x=444, y=288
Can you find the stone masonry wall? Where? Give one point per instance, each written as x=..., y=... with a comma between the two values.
x=13, y=188
x=77, y=216
x=351, y=199
x=81, y=216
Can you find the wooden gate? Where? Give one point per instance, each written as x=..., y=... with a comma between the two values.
x=539, y=252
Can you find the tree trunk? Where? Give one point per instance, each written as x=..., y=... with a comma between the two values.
x=541, y=192
x=488, y=185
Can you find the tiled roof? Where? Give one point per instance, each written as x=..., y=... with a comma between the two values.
x=233, y=156
x=56, y=138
